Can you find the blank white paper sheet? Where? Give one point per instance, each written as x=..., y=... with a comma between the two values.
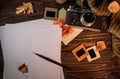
x=19, y=43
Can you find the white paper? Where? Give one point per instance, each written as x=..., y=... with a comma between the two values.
x=67, y=39
x=21, y=40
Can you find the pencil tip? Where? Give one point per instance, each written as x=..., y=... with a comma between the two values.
x=35, y=53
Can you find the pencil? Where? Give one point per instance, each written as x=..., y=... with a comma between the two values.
x=53, y=61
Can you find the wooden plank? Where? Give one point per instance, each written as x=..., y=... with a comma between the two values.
x=7, y=14
x=97, y=69
x=1, y=65
x=88, y=37
x=0, y=49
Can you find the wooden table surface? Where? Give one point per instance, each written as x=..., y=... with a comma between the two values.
x=98, y=69
x=106, y=67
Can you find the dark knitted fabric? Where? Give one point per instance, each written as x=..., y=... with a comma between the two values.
x=115, y=24
x=99, y=7
x=116, y=45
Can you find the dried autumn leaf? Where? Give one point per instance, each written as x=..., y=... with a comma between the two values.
x=23, y=68
x=25, y=8
x=114, y=7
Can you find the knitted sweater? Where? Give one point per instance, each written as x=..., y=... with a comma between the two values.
x=99, y=7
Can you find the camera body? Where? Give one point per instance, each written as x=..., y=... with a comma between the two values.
x=83, y=18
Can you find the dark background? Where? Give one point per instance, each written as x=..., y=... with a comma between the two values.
x=107, y=67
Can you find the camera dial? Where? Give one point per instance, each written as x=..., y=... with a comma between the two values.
x=88, y=19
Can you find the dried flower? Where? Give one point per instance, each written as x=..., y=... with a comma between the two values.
x=114, y=7
x=66, y=30
x=100, y=45
x=25, y=8
x=23, y=68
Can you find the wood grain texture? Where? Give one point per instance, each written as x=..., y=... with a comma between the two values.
x=1, y=63
x=106, y=67
x=98, y=69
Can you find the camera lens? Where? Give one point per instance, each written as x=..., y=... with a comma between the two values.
x=89, y=17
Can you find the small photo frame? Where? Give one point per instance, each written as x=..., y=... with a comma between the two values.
x=80, y=52
x=93, y=54
x=50, y=13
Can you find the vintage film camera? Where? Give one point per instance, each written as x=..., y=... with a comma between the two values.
x=83, y=18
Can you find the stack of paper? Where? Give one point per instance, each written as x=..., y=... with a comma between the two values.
x=21, y=40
